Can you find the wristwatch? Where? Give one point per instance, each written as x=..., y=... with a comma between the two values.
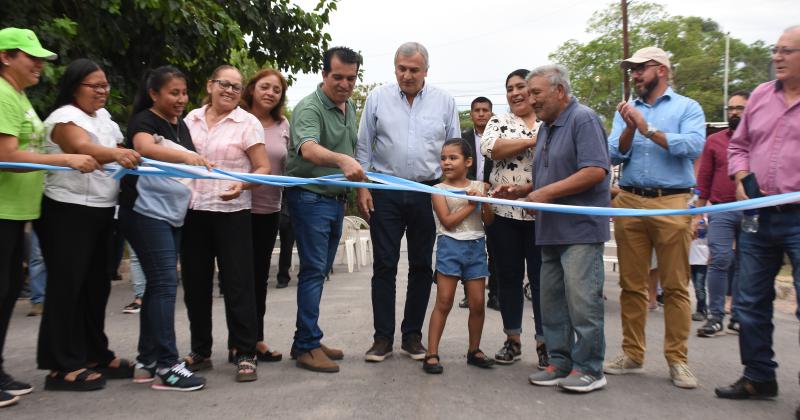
x=651, y=131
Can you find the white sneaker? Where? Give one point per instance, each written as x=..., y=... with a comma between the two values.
x=622, y=365
x=681, y=376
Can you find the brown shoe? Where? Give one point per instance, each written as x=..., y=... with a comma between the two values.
x=412, y=345
x=380, y=350
x=316, y=360
x=333, y=354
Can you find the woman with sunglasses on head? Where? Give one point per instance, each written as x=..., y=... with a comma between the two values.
x=218, y=224
x=74, y=232
x=152, y=211
x=265, y=96
x=21, y=140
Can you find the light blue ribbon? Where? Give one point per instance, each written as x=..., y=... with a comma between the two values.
x=388, y=182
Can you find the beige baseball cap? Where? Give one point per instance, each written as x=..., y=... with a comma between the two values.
x=644, y=55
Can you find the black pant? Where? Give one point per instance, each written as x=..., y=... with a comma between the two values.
x=228, y=238
x=265, y=230
x=515, y=249
x=286, y=231
x=74, y=242
x=12, y=252
x=397, y=212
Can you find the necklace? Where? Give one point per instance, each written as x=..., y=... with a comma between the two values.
x=177, y=133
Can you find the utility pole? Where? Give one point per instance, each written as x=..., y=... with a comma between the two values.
x=725, y=77
x=626, y=88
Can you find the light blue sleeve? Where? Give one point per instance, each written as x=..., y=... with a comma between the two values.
x=453, y=127
x=617, y=126
x=692, y=137
x=367, y=131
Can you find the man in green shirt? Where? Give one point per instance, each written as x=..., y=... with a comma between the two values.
x=323, y=141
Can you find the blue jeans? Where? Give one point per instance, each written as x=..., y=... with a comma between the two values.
x=723, y=229
x=572, y=279
x=317, y=222
x=37, y=271
x=138, y=278
x=699, y=283
x=761, y=258
x=156, y=242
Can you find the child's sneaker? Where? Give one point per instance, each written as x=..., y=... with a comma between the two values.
x=178, y=378
x=143, y=374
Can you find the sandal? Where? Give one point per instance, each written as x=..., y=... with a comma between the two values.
x=268, y=356
x=123, y=371
x=432, y=368
x=58, y=382
x=479, y=361
x=196, y=362
x=243, y=365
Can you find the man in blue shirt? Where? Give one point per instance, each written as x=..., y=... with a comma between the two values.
x=656, y=139
x=572, y=167
x=402, y=130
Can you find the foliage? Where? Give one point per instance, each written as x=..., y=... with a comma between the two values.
x=128, y=36
x=465, y=120
x=697, y=48
x=359, y=97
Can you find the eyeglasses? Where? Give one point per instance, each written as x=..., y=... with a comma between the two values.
x=98, y=87
x=739, y=108
x=641, y=69
x=224, y=85
x=783, y=50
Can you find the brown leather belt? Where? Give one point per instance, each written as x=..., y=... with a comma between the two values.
x=655, y=192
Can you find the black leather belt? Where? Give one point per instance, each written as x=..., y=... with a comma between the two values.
x=655, y=192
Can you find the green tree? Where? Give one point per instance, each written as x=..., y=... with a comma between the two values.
x=465, y=120
x=128, y=36
x=696, y=45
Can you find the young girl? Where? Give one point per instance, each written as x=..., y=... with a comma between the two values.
x=460, y=253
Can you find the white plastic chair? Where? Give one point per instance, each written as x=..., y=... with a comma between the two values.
x=349, y=239
x=363, y=239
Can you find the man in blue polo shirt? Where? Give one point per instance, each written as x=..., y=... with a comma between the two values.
x=572, y=167
x=656, y=138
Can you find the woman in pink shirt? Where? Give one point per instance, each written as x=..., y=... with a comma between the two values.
x=218, y=224
x=265, y=97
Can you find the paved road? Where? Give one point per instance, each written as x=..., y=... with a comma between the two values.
x=398, y=388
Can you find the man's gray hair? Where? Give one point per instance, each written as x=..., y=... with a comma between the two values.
x=556, y=74
x=410, y=48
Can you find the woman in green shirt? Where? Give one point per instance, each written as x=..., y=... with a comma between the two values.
x=21, y=138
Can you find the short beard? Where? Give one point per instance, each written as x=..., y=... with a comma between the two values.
x=733, y=122
x=648, y=88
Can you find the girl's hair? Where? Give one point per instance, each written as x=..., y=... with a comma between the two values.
x=214, y=75
x=466, y=148
x=71, y=80
x=523, y=73
x=154, y=80
x=277, y=113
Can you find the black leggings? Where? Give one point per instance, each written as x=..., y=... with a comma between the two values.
x=265, y=231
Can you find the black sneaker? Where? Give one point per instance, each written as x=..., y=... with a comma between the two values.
x=463, y=303
x=734, y=327
x=509, y=353
x=544, y=358
x=746, y=389
x=15, y=388
x=132, y=308
x=282, y=285
x=7, y=399
x=178, y=378
x=412, y=345
x=380, y=350
x=712, y=328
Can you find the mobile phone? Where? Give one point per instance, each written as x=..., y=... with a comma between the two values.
x=751, y=187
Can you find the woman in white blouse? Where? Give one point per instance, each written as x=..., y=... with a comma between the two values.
x=75, y=232
x=509, y=140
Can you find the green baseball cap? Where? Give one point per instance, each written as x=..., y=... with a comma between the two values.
x=24, y=40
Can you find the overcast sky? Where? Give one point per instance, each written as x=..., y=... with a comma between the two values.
x=474, y=44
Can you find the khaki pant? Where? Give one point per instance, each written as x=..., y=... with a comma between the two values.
x=636, y=238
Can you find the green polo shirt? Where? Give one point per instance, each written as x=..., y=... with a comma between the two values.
x=316, y=118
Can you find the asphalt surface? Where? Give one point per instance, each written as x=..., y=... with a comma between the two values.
x=398, y=388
